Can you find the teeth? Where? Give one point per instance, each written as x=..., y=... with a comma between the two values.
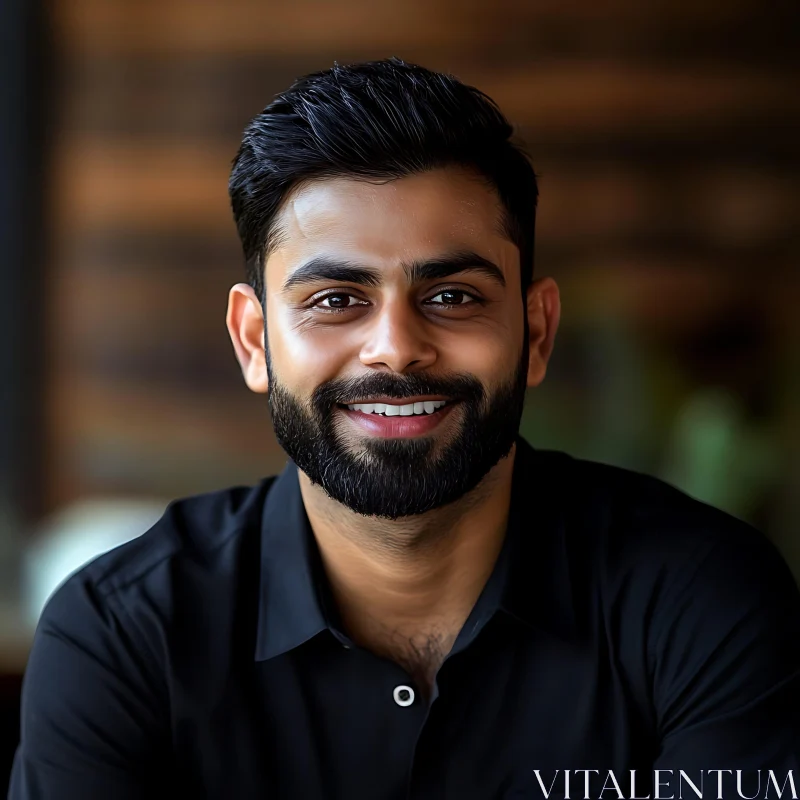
x=407, y=410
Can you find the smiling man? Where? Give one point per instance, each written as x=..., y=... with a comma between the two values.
x=422, y=604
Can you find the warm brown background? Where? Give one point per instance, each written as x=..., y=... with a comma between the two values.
x=666, y=137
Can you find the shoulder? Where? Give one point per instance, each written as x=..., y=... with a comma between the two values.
x=663, y=564
x=681, y=569
x=621, y=519
x=201, y=541
x=99, y=682
x=702, y=608
x=193, y=529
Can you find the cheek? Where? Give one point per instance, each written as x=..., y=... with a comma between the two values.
x=305, y=357
x=489, y=356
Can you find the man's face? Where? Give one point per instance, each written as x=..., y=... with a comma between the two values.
x=363, y=331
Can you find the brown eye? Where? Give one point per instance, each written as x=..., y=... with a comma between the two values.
x=454, y=297
x=337, y=300
x=448, y=297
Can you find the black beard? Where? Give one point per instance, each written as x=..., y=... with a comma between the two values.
x=400, y=477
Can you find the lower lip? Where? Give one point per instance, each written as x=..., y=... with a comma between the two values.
x=399, y=427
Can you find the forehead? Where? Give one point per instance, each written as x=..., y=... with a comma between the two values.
x=417, y=215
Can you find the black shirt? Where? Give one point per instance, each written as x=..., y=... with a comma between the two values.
x=625, y=627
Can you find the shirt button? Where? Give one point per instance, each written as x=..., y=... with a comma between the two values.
x=403, y=695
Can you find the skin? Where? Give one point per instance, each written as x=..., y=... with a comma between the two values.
x=404, y=586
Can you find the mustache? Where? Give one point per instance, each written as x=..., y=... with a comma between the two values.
x=351, y=390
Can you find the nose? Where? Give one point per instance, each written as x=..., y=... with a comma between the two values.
x=399, y=339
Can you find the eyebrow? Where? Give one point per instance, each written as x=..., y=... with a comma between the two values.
x=323, y=268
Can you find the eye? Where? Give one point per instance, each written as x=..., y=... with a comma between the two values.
x=458, y=294
x=339, y=301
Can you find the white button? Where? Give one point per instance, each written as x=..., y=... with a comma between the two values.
x=403, y=695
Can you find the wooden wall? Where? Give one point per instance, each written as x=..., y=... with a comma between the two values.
x=665, y=135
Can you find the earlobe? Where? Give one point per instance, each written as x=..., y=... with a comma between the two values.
x=245, y=322
x=255, y=375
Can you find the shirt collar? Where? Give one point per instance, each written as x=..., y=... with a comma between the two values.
x=290, y=606
x=530, y=581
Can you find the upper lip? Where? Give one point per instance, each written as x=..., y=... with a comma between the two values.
x=403, y=401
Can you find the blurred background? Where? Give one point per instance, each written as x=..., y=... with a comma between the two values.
x=666, y=137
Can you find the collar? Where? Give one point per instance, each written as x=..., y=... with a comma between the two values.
x=290, y=604
x=530, y=581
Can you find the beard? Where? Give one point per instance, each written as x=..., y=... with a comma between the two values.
x=399, y=477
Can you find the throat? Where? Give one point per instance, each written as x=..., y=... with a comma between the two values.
x=419, y=652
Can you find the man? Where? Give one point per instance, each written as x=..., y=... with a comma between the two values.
x=421, y=605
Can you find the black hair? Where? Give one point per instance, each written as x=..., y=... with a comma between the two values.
x=375, y=120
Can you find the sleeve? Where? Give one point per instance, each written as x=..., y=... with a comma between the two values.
x=90, y=719
x=726, y=665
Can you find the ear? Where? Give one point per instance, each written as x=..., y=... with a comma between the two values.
x=245, y=321
x=543, y=307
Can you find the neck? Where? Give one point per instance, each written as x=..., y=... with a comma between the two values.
x=414, y=572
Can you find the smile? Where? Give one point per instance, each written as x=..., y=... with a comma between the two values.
x=392, y=410
x=396, y=421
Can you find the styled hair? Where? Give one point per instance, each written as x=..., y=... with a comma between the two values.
x=377, y=120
